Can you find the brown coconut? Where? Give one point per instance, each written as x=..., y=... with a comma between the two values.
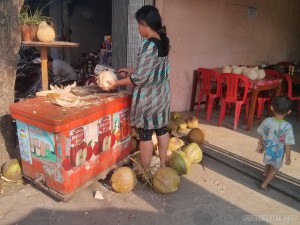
x=123, y=180
x=196, y=135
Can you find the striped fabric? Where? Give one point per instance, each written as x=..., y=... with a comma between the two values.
x=150, y=108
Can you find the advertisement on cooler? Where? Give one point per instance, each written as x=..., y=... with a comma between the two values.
x=42, y=144
x=24, y=142
x=79, y=151
x=104, y=134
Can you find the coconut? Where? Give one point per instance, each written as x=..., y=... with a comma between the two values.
x=192, y=122
x=123, y=179
x=226, y=69
x=179, y=161
x=261, y=74
x=104, y=77
x=45, y=33
x=175, y=115
x=11, y=170
x=194, y=152
x=172, y=126
x=251, y=74
x=175, y=143
x=237, y=70
x=196, y=135
x=166, y=180
x=181, y=124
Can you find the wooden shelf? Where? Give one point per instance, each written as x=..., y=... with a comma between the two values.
x=54, y=44
x=44, y=58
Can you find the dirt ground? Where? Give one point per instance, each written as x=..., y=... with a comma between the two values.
x=212, y=193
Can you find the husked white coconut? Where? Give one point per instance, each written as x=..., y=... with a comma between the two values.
x=237, y=70
x=261, y=74
x=104, y=77
x=251, y=74
x=226, y=69
x=245, y=70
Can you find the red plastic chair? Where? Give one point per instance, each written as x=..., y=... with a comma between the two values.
x=206, y=78
x=290, y=91
x=232, y=95
x=265, y=96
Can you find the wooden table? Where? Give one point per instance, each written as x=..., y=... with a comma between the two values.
x=44, y=58
x=258, y=86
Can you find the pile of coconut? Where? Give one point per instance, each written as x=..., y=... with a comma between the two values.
x=253, y=73
x=182, y=152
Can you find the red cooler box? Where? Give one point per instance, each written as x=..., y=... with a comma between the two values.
x=63, y=148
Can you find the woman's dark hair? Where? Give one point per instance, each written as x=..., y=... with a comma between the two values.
x=281, y=104
x=150, y=16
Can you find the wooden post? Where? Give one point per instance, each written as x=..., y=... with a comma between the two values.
x=44, y=68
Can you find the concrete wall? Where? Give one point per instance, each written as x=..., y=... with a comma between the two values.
x=212, y=33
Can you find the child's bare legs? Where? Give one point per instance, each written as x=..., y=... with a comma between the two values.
x=146, y=149
x=272, y=173
x=163, y=143
x=267, y=170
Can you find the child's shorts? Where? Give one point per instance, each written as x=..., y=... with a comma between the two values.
x=146, y=135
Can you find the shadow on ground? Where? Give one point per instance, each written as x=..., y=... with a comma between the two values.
x=283, y=183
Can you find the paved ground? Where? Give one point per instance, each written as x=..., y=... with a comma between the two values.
x=212, y=193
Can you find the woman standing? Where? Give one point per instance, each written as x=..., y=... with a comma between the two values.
x=151, y=98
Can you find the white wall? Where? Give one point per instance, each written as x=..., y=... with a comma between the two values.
x=212, y=33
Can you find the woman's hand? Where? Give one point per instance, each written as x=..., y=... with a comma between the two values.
x=125, y=72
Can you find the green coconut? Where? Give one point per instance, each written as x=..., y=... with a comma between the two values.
x=172, y=126
x=175, y=115
x=175, y=143
x=166, y=180
x=11, y=170
x=123, y=180
x=181, y=124
x=179, y=161
x=192, y=122
x=196, y=135
x=194, y=152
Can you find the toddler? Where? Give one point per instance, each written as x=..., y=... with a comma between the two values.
x=276, y=138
